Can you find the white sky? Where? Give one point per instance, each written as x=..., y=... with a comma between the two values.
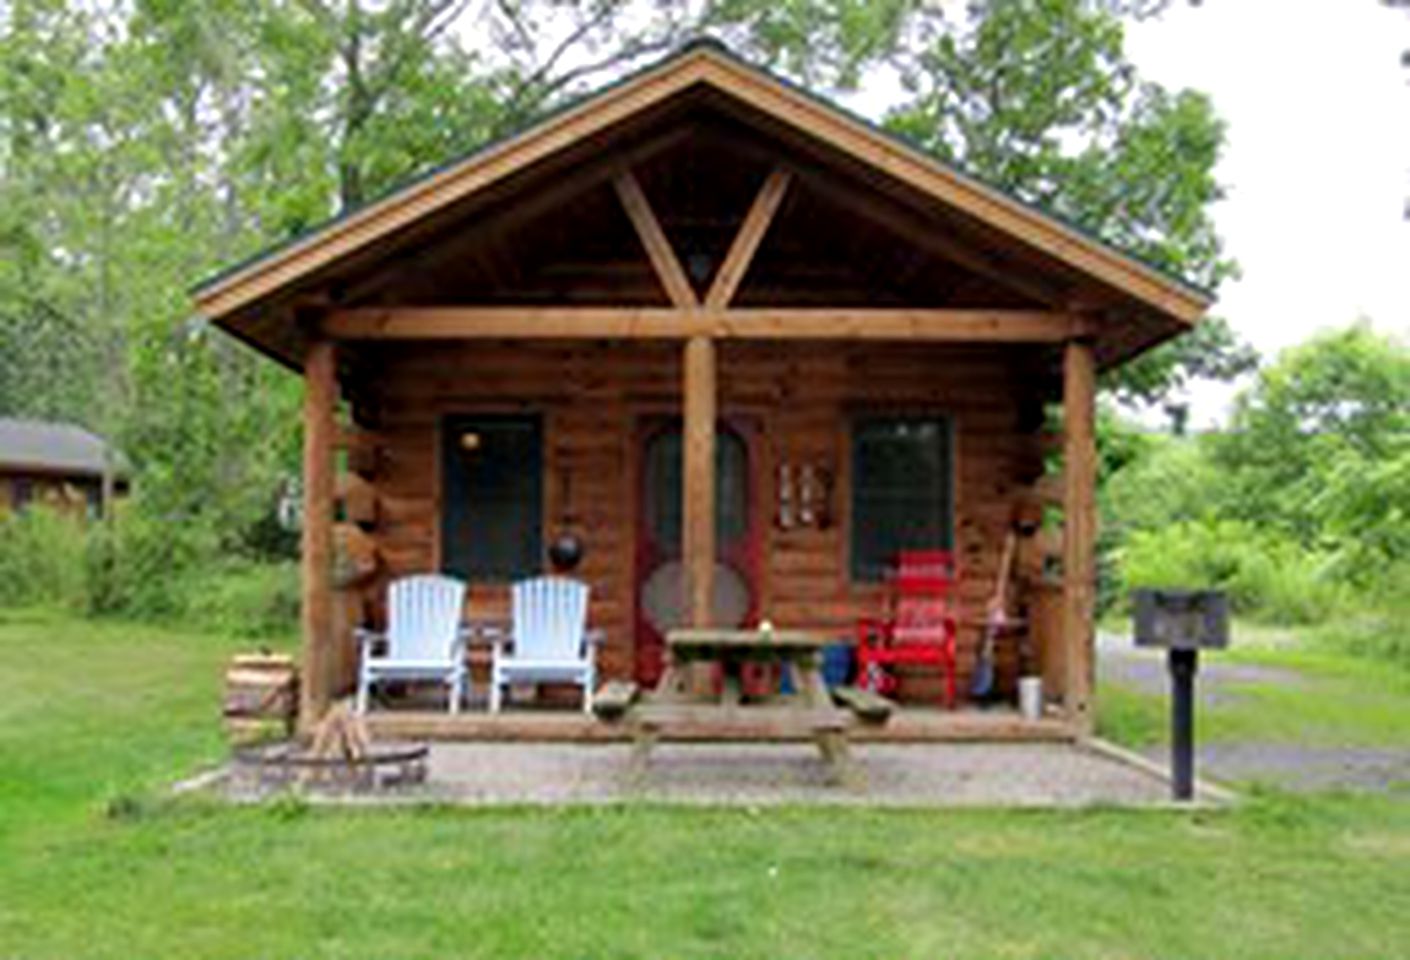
x=1317, y=164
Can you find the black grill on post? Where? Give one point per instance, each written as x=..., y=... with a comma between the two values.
x=1182, y=622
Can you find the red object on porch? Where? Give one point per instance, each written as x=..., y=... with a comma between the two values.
x=920, y=627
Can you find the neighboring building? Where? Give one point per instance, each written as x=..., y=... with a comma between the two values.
x=58, y=464
x=743, y=344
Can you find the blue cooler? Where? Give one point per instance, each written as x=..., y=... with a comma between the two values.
x=837, y=664
x=836, y=668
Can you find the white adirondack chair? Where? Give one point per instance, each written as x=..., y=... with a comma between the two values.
x=551, y=642
x=424, y=638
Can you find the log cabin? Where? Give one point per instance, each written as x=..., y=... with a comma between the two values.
x=741, y=343
x=59, y=465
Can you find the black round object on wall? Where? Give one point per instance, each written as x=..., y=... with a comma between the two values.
x=565, y=552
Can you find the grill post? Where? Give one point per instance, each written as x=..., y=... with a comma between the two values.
x=1183, y=664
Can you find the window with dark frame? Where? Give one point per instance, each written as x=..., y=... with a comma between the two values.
x=492, y=495
x=21, y=492
x=902, y=490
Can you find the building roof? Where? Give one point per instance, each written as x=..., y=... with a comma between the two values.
x=698, y=66
x=54, y=448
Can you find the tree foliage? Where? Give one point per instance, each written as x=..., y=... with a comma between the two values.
x=1301, y=504
x=1038, y=97
x=144, y=144
x=1324, y=435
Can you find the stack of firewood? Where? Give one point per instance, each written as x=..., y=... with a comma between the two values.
x=261, y=697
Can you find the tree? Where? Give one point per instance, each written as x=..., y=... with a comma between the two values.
x=1322, y=435
x=146, y=143
x=51, y=344
x=1038, y=98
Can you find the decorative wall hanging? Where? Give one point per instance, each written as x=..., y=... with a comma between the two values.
x=786, y=518
x=804, y=496
x=815, y=496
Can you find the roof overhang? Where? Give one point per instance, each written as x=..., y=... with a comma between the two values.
x=1145, y=288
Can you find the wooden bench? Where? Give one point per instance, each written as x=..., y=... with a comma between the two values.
x=825, y=726
x=870, y=708
x=614, y=700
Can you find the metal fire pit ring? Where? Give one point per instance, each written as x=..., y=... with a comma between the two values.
x=274, y=766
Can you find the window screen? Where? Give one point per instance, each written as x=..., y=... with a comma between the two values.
x=664, y=479
x=902, y=490
x=492, y=492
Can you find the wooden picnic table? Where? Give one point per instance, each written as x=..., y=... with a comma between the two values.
x=808, y=711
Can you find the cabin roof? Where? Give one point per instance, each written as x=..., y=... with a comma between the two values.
x=700, y=65
x=54, y=448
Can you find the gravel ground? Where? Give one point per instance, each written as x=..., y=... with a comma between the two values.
x=1289, y=765
x=1010, y=775
x=1302, y=767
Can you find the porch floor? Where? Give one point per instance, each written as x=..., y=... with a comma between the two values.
x=907, y=725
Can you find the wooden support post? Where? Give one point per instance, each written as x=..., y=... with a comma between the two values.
x=1079, y=529
x=698, y=546
x=108, y=486
x=320, y=435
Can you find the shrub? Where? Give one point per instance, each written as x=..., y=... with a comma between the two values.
x=1379, y=624
x=136, y=564
x=149, y=569
x=42, y=554
x=244, y=599
x=1266, y=576
x=1175, y=482
x=144, y=569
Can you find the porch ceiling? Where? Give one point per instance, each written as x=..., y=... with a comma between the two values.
x=535, y=222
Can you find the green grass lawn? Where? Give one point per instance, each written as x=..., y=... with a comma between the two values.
x=1337, y=699
x=94, y=863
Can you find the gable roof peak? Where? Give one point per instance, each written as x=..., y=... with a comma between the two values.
x=707, y=60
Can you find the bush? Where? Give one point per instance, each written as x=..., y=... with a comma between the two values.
x=243, y=599
x=1379, y=626
x=42, y=559
x=1267, y=577
x=136, y=564
x=1176, y=482
x=143, y=569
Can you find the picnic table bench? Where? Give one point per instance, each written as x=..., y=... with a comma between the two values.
x=807, y=713
x=869, y=707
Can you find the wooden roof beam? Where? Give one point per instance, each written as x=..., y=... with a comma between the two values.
x=746, y=241
x=889, y=217
x=433, y=253
x=658, y=248
x=746, y=88
x=764, y=323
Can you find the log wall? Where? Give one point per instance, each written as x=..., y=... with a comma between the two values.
x=801, y=397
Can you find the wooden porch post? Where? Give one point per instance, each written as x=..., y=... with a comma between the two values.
x=698, y=546
x=320, y=395
x=1079, y=528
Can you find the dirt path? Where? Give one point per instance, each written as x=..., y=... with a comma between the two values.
x=1295, y=766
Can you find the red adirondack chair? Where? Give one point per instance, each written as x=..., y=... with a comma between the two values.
x=919, y=628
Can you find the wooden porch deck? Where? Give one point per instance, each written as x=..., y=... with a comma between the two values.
x=909, y=725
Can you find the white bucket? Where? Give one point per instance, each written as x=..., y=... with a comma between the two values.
x=1030, y=697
